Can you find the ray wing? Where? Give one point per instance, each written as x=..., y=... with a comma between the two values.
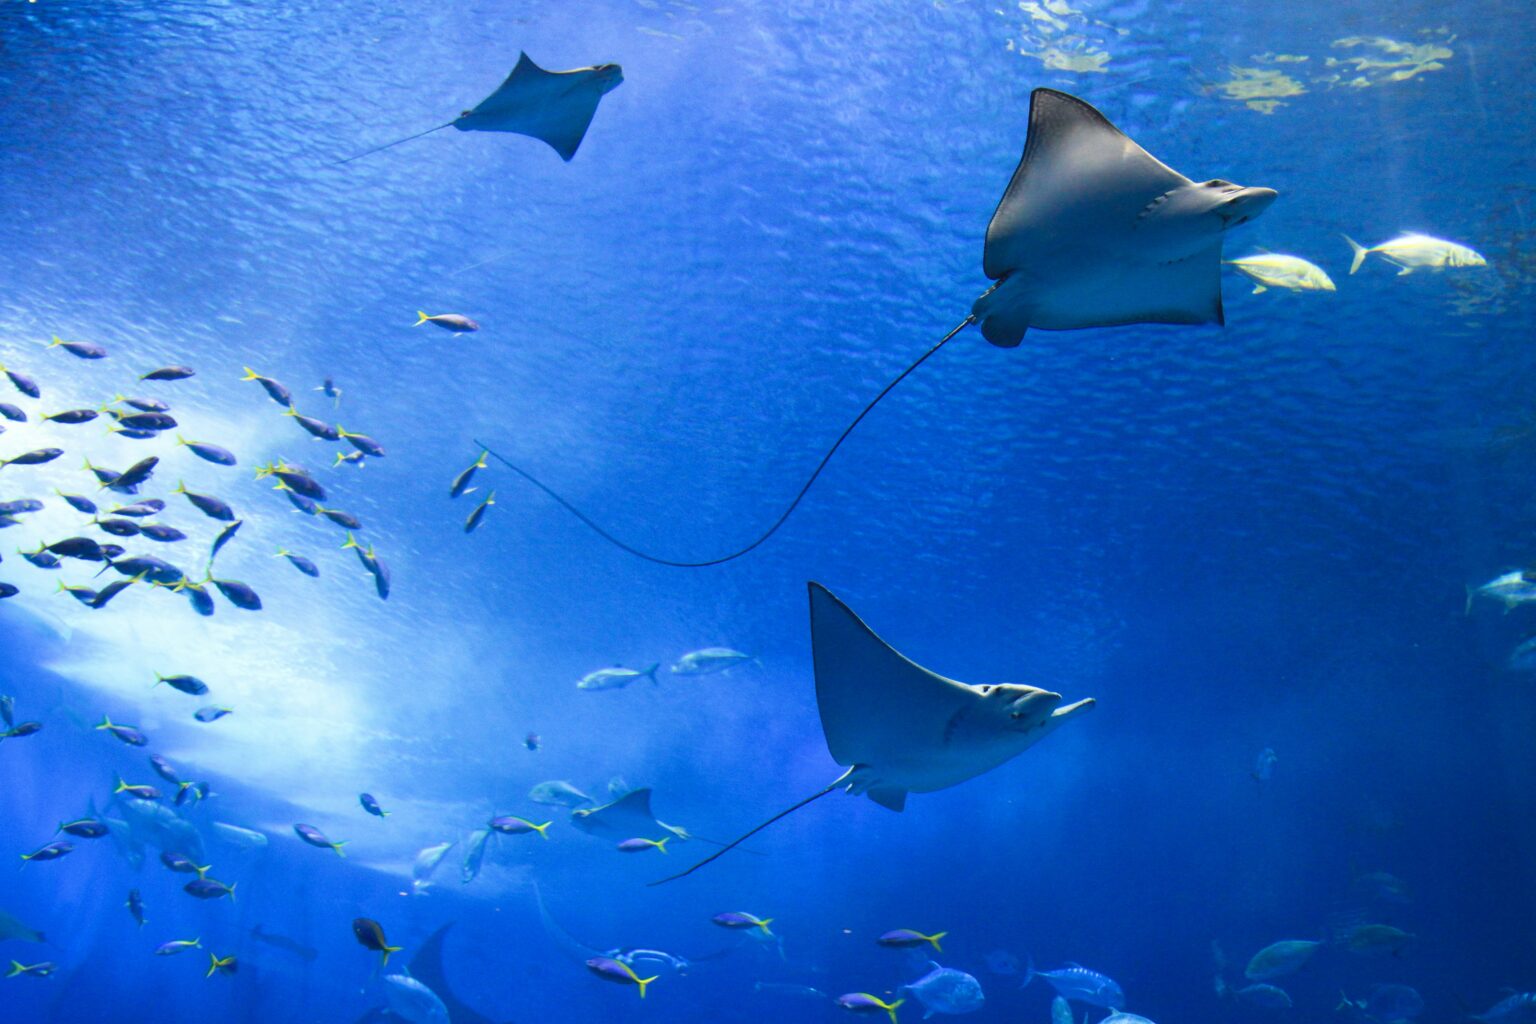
x=629, y=814
x=1080, y=180
x=555, y=107
x=876, y=705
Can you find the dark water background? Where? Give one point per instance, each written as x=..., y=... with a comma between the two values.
x=1235, y=538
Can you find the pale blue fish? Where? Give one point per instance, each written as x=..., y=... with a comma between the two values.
x=474, y=855
x=708, y=661
x=946, y=990
x=410, y=1000
x=558, y=793
x=1264, y=765
x=1079, y=984
x=1264, y=996
x=1279, y=959
x=427, y=860
x=1516, y=1008
x=1387, y=1004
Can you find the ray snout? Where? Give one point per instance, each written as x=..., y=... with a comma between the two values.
x=1033, y=704
x=1244, y=204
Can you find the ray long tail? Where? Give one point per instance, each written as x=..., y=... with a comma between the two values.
x=839, y=781
x=592, y=525
x=391, y=145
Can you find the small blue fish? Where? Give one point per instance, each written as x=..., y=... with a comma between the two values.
x=207, y=504
x=478, y=515
x=79, y=503
x=85, y=828
x=362, y=442
x=53, y=851
x=1264, y=765
x=36, y=457
x=457, y=323
x=177, y=946
x=21, y=382
x=209, y=889
x=906, y=938
x=212, y=714
x=638, y=845
x=164, y=769
x=71, y=416
x=208, y=452
x=462, y=481
x=127, y=733
x=314, y=837
x=736, y=919
x=41, y=970
x=371, y=805
x=239, y=594
x=135, y=906
x=315, y=428
x=863, y=1002
x=181, y=865
x=170, y=373
x=621, y=973
x=277, y=392
x=299, y=562
x=190, y=685
x=79, y=349
x=137, y=792
x=512, y=825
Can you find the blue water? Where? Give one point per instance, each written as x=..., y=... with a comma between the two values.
x=1235, y=538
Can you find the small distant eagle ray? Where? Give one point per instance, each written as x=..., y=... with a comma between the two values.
x=555, y=107
x=1092, y=231
x=898, y=727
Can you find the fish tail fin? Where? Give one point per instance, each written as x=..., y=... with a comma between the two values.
x=337, y=847
x=934, y=938
x=232, y=891
x=16, y=968
x=202, y=872
x=1359, y=250
x=1029, y=970
x=650, y=673
x=340, y=457
x=764, y=923
x=891, y=1008
x=1344, y=1001
x=388, y=950
x=543, y=830
x=180, y=439
x=351, y=542
x=661, y=844
x=250, y=374
x=213, y=966
x=642, y=982
x=106, y=722
x=422, y=318
x=57, y=341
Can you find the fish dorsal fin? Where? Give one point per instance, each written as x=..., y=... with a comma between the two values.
x=876, y=705
x=1076, y=167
